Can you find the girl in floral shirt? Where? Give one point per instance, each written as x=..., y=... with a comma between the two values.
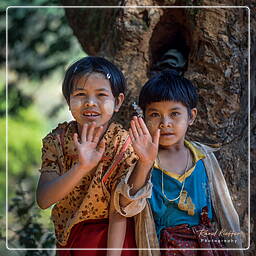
x=83, y=160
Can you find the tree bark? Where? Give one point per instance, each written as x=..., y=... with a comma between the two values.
x=215, y=40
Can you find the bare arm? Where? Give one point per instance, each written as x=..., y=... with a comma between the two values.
x=139, y=176
x=52, y=187
x=116, y=230
x=146, y=148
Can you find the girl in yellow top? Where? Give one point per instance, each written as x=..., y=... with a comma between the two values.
x=83, y=160
x=184, y=195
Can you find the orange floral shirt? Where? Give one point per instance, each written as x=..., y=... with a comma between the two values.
x=90, y=199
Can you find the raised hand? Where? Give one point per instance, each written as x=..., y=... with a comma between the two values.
x=90, y=150
x=145, y=146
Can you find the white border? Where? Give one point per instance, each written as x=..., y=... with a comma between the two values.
x=124, y=7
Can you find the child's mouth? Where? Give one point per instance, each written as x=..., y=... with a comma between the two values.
x=167, y=134
x=91, y=115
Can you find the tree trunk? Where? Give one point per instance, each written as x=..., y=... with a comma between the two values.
x=215, y=41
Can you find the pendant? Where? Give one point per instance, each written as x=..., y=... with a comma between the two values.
x=182, y=202
x=186, y=204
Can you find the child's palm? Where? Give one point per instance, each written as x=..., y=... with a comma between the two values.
x=89, y=154
x=90, y=151
x=144, y=145
x=145, y=148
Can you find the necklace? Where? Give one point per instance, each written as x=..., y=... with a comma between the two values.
x=183, y=183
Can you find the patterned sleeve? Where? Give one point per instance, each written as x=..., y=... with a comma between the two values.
x=50, y=156
x=126, y=164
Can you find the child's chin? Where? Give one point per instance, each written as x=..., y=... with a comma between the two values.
x=166, y=142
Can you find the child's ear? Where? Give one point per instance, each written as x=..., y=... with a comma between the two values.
x=193, y=113
x=119, y=101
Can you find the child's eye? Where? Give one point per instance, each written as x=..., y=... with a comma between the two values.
x=79, y=94
x=102, y=95
x=154, y=115
x=175, y=114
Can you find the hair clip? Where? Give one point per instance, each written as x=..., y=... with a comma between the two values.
x=137, y=109
x=75, y=69
x=108, y=76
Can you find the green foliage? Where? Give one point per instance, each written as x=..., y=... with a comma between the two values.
x=2, y=164
x=24, y=147
x=40, y=42
x=27, y=228
x=24, y=141
x=38, y=39
x=16, y=100
x=2, y=95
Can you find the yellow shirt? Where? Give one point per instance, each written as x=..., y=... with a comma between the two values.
x=196, y=156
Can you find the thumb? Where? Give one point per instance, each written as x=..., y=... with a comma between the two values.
x=156, y=137
x=75, y=138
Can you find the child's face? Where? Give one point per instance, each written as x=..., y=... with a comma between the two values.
x=92, y=100
x=171, y=118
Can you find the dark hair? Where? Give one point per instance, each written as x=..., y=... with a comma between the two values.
x=168, y=85
x=91, y=64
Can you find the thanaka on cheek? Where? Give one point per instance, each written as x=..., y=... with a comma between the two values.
x=109, y=106
x=149, y=124
x=75, y=103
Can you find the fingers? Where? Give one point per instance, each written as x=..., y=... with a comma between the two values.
x=75, y=138
x=134, y=130
x=131, y=134
x=138, y=126
x=143, y=126
x=84, y=133
x=90, y=131
x=97, y=134
x=156, y=137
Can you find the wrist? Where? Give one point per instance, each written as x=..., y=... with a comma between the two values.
x=145, y=169
x=83, y=169
x=140, y=176
x=145, y=165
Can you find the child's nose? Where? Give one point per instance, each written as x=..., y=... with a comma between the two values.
x=166, y=123
x=90, y=102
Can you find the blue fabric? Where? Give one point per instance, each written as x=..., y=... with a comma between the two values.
x=166, y=213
